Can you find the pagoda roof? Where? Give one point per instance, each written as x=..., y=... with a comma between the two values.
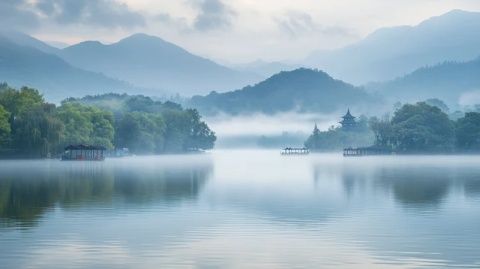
x=348, y=115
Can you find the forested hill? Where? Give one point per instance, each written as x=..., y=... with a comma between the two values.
x=305, y=90
x=448, y=81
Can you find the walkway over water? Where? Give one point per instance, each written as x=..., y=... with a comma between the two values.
x=295, y=151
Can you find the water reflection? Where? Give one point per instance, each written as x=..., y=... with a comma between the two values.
x=420, y=209
x=30, y=188
x=242, y=209
x=418, y=186
x=413, y=181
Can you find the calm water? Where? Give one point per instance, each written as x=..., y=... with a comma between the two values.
x=241, y=209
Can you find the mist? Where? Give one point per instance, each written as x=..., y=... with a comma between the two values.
x=264, y=130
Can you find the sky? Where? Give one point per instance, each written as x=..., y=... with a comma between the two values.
x=228, y=31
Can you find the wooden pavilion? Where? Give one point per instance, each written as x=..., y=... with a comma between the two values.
x=84, y=153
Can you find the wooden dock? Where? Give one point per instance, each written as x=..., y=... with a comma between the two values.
x=365, y=151
x=295, y=151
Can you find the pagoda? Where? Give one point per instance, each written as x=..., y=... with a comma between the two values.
x=348, y=121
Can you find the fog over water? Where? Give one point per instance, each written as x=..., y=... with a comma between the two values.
x=245, y=130
x=241, y=209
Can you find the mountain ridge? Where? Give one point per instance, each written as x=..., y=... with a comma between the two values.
x=395, y=51
x=151, y=62
x=56, y=79
x=307, y=89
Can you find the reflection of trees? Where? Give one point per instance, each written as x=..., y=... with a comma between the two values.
x=415, y=186
x=409, y=185
x=25, y=194
x=472, y=184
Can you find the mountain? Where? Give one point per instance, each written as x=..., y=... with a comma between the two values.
x=305, y=90
x=393, y=52
x=151, y=62
x=28, y=41
x=56, y=79
x=449, y=81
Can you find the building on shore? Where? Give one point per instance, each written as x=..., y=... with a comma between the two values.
x=348, y=121
x=84, y=153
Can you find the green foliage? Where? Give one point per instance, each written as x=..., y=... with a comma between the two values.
x=422, y=128
x=86, y=125
x=36, y=131
x=5, y=129
x=141, y=132
x=146, y=126
x=17, y=102
x=30, y=127
x=303, y=89
x=337, y=138
x=383, y=132
x=468, y=132
x=438, y=103
x=418, y=128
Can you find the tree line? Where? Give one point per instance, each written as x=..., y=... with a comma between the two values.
x=413, y=128
x=337, y=138
x=31, y=127
x=424, y=128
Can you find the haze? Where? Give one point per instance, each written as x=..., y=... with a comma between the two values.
x=232, y=31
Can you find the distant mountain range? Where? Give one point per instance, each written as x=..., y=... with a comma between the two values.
x=23, y=65
x=393, y=52
x=137, y=64
x=304, y=90
x=443, y=47
x=150, y=62
x=448, y=81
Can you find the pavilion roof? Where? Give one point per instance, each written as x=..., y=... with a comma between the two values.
x=85, y=147
x=348, y=115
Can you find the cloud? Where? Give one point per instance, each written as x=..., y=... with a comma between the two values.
x=16, y=15
x=213, y=14
x=296, y=23
x=99, y=13
x=179, y=23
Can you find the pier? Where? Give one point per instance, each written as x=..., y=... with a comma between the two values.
x=295, y=151
x=365, y=151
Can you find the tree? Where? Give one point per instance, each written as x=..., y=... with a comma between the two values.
x=37, y=132
x=336, y=138
x=200, y=137
x=383, y=131
x=5, y=129
x=18, y=101
x=438, y=103
x=422, y=128
x=141, y=132
x=86, y=125
x=468, y=132
x=313, y=140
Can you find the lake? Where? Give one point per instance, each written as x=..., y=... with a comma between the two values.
x=242, y=209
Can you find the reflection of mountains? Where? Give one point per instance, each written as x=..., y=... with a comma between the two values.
x=28, y=189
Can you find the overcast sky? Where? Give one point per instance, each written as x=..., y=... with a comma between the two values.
x=224, y=30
